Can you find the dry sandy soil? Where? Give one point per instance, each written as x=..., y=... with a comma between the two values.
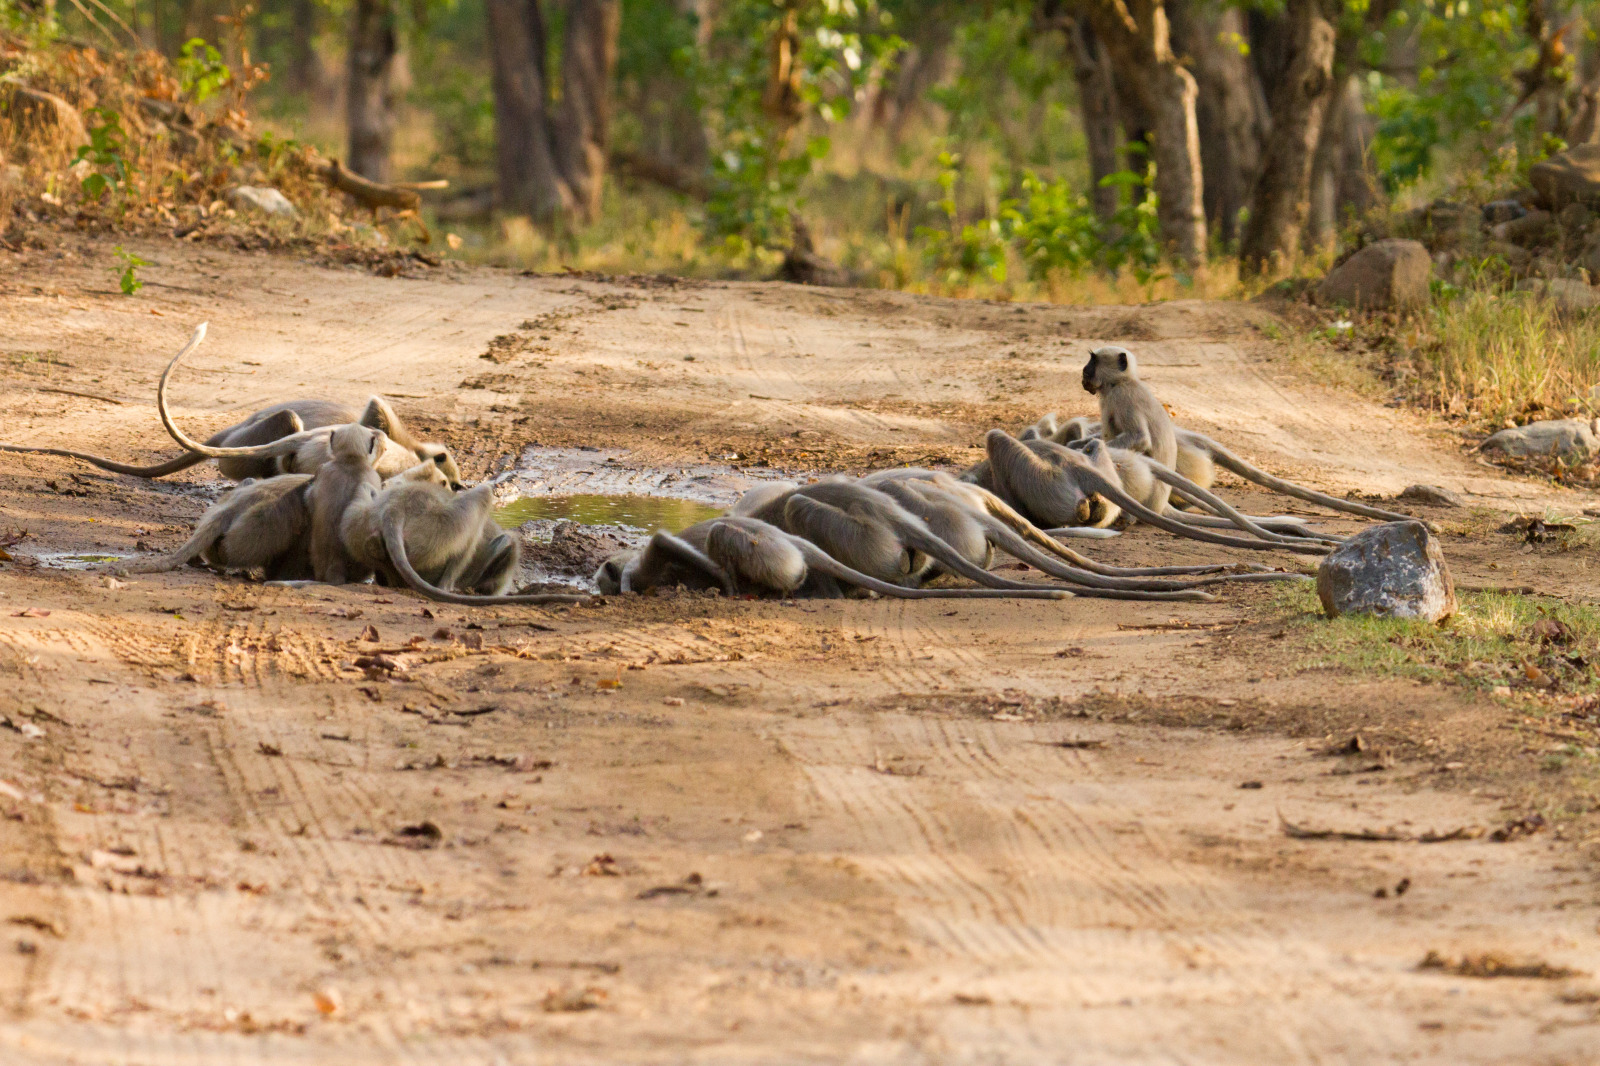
x=859, y=831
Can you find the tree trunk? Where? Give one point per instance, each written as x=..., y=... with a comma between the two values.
x=587, y=60
x=1281, y=200
x=1322, y=220
x=1358, y=184
x=552, y=164
x=1137, y=39
x=1231, y=111
x=305, y=68
x=1097, y=104
x=369, y=101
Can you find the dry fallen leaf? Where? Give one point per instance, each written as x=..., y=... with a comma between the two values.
x=32, y=612
x=327, y=1001
x=370, y=634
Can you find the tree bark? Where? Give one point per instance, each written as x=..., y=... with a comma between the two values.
x=552, y=164
x=1138, y=40
x=1231, y=111
x=305, y=68
x=1281, y=200
x=369, y=101
x=587, y=60
x=1097, y=104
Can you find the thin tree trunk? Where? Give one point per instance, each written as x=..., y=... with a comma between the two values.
x=1097, y=104
x=1281, y=201
x=587, y=61
x=1358, y=184
x=369, y=101
x=305, y=68
x=1232, y=108
x=529, y=180
x=1322, y=220
x=1137, y=38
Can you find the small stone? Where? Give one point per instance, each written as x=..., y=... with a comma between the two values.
x=1533, y=228
x=261, y=198
x=1387, y=274
x=1430, y=495
x=1394, y=570
x=1567, y=438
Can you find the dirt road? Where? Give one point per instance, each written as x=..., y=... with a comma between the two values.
x=682, y=829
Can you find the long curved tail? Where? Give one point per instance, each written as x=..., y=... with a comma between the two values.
x=171, y=466
x=1229, y=461
x=817, y=559
x=394, y=542
x=1144, y=514
x=1201, y=497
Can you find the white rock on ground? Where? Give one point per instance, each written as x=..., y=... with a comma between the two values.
x=1396, y=570
x=1566, y=438
x=261, y=198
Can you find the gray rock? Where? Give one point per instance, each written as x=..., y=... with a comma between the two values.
x=1570, y=296
x=1533, y=228
x=1498, y=211
x=263, y=199
x=1566, y=438
x=1430, y=496
x=1389, y=274
x=1396, y=570
x=43, y=119
x=1570, y=177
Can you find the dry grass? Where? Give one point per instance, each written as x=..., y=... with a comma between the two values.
x=1510, y=356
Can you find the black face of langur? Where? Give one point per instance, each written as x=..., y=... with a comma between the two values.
x=1098, y=371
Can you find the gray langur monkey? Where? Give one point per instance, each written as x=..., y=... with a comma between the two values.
x=1198, y=458
x=256, y=525
x=871, y=531
x=1043, y=480
x=736, y=552
x=347, y=479
x=307, y=450
x=1132, y=415
x=973, y=527
x=419, y=533
x=271, y=424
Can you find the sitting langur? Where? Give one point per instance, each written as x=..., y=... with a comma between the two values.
x=417, y=532
x=1048, y=482
x=1131, y=415
x=348, y=478
x=271, y=424
x=256, y=525
x=740, y=554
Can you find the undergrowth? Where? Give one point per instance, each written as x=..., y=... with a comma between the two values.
x=1497, y=641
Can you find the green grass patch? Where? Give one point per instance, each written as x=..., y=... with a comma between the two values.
x=1521, y=642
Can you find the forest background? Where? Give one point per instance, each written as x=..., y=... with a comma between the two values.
x=1069, y=150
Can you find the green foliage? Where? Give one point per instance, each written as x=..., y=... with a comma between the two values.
x=130, y=263
x=961, y=251
x=201, y=71
x=104, y=153
x=756, y=168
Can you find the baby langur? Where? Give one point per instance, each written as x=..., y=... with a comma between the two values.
x=307, y=450
x=347, y=479
x=256, y=525
x=737, y=553
x=417, y=532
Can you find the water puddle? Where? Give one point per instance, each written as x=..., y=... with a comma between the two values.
x=72, y=561
x=646, y=513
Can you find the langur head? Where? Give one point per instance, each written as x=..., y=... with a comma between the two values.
x=355, y=441
x=1108, y=366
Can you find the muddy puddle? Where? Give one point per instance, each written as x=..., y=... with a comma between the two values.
x=645, y=513
x=582, y=475
x=75, y=560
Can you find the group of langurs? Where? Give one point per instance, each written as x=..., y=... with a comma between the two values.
x=329, y=494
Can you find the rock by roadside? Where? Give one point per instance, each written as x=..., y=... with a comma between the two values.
x=1395, y=570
